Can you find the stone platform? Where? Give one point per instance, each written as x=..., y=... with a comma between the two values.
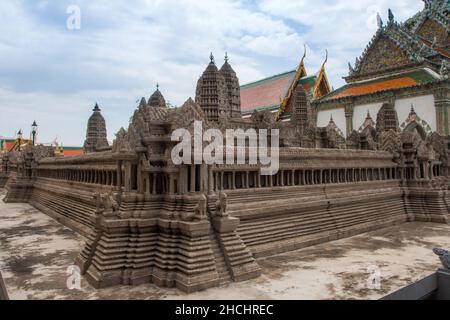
x=36, y=251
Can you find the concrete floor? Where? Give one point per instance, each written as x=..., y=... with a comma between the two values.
x=36, y=252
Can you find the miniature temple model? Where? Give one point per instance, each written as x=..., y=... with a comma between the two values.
x=372, y=154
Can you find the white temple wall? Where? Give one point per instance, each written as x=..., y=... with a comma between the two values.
x=423, y=105
x=323, y=119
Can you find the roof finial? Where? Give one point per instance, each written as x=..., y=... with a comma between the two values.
x=391, y=16
x=379, y=21
x=211, y=57
x=326, y=59
x=226, y=57
x=96, y=108
x=157, y=86
x=304, y=52
x=351, y=69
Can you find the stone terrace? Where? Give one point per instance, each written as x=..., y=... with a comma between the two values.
x=35, y=252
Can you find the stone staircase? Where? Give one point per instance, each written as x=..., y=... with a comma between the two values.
x=221, y=265
x=274, y=226
x=429, y=206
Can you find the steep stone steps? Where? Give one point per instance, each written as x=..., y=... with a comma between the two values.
x=292, y=224
x=315, y=214
x=221, y=266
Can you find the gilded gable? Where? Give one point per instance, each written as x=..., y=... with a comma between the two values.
x=384, y=54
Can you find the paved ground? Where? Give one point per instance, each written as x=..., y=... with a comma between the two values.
x=36, y=251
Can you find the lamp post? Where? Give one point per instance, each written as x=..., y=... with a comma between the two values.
x=34, y=127
x=19, y=139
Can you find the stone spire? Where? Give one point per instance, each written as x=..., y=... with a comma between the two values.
x=211, y=93
x=412, y=114
x=369, y=121
x=96, y=137
x=233, y=89
x=157, y=99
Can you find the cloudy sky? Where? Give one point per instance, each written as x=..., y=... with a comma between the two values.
x=54, y=74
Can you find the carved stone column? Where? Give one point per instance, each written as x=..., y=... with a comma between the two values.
x=442, y=105
x=192, y=189
x=127, y=181
x=210, y=180
x=147, y=183
x=349, y=118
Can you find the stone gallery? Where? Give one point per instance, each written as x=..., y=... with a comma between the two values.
x=372, y=154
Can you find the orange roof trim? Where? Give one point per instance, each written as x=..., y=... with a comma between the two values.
x=403, y=82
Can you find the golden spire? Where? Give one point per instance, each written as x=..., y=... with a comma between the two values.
x=322, y=78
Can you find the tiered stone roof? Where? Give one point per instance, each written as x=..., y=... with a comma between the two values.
x=211, y=93
x=157, y=99
x=96, y=137
x=232, y=86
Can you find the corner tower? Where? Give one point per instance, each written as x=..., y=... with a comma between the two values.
x=157, y=99
x=96, y=133
x=232, y=89
x=211, y=93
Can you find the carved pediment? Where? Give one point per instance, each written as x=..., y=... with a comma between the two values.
x=434, y=32
x=383, y=54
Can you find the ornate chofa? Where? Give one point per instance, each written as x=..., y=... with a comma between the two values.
x=96, y=137
x=322, y=86
x=301, y=72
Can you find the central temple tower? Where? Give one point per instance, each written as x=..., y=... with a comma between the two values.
x=218, y=92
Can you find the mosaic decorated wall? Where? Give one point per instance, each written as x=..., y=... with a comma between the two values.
x=385, y=54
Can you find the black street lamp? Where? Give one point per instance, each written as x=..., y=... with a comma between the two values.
x=19, y=139
x=34, y=127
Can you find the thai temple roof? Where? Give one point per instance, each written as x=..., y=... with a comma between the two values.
x=265, y=94
x=391, y=82
x=401, y=55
